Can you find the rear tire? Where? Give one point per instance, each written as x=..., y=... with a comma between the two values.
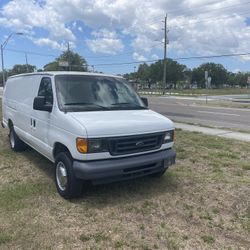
x=68, y=186
x=16, y=143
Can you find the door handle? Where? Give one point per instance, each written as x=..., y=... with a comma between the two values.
x=33, y=123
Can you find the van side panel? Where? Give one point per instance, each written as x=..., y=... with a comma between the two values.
x=18, y=99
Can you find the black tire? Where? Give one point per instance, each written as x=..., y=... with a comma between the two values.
x=16, y=143
x=68, y=186
x=159, y=174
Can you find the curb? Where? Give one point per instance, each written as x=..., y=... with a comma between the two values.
x=214, y=131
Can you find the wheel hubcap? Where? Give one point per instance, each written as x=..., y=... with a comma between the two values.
x=12, y=140
x=61, y=175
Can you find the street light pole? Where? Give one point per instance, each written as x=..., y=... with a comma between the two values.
x=2, y=48
x=3, y=76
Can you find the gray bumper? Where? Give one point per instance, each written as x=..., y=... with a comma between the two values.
x=110, y=170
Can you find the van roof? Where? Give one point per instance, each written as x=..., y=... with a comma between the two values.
x=55, y=73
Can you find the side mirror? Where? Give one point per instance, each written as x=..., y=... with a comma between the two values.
x=40, y=104
x=145, y=101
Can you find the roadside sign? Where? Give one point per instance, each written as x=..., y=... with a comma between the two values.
x=206, y=75
x=63, y=64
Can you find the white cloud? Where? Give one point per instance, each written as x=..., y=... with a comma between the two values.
x=155, y=57
x=105, y=42
x=195, y=27
x=50, y=43
x=139, y=57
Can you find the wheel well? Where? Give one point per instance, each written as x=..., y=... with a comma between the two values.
x=58, y=148
x=10, y=123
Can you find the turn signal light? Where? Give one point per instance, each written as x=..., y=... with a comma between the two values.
x=82, y=145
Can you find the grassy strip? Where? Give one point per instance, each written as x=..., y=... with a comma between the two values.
x=201, y=203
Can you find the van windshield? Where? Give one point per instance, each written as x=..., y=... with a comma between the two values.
x=91, y=93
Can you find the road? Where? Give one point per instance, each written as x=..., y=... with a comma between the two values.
x=186, y=111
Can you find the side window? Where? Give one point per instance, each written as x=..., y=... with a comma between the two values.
x=45, y=89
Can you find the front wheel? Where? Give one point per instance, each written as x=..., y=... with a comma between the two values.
x=68, y=186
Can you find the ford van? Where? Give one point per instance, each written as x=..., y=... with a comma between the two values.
x=93, y=127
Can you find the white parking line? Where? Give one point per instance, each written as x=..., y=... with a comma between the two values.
x=217, y=113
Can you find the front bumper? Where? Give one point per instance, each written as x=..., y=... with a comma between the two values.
x=111, y=170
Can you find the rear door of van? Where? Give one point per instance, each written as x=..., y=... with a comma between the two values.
x=18, y=100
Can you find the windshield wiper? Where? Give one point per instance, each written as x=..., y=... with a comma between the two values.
x=85, y=103
x=128, y=103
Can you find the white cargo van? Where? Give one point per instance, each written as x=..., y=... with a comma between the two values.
x=94, y=127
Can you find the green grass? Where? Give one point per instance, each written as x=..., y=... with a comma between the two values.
x=246, y=166
x=205, y=195
x=208, y=239
x=4, y=238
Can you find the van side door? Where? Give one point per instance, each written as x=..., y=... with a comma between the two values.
x=41, y=120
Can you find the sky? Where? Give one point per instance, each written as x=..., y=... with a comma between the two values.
x=117, y=32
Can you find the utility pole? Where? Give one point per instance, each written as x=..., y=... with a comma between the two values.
x=68, y=57
x=165, y=55
x=3, y=74
x=2, y=48
x=26, y=60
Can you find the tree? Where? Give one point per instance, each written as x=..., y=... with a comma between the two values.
x=21, y=68
x=74, y=60
x=175, y=72
x=240, y=79
x=217, y=72
x=154, y=73
x=143, y=72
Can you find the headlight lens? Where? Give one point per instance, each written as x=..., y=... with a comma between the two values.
x=169, y=136
x=97, y=146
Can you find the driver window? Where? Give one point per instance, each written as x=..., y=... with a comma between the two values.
x=45, y=90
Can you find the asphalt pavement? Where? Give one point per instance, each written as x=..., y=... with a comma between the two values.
x=185, y=110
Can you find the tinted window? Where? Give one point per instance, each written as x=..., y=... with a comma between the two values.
x=45, y=90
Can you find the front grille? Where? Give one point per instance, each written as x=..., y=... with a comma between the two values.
x=134, y=144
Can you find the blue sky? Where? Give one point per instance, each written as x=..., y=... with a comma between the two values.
x=118, y=31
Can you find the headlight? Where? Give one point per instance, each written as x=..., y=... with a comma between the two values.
x=169, y=136
x=97, y=146
x=91, y=145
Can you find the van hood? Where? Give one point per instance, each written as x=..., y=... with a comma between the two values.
x=122, y=122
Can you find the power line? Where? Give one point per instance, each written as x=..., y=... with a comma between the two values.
x=176, y=58
x=31, y=52
x=212, y=56
x=93, y=57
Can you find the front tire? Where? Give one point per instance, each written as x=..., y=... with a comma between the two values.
x=68, y=186
x=16, y=143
